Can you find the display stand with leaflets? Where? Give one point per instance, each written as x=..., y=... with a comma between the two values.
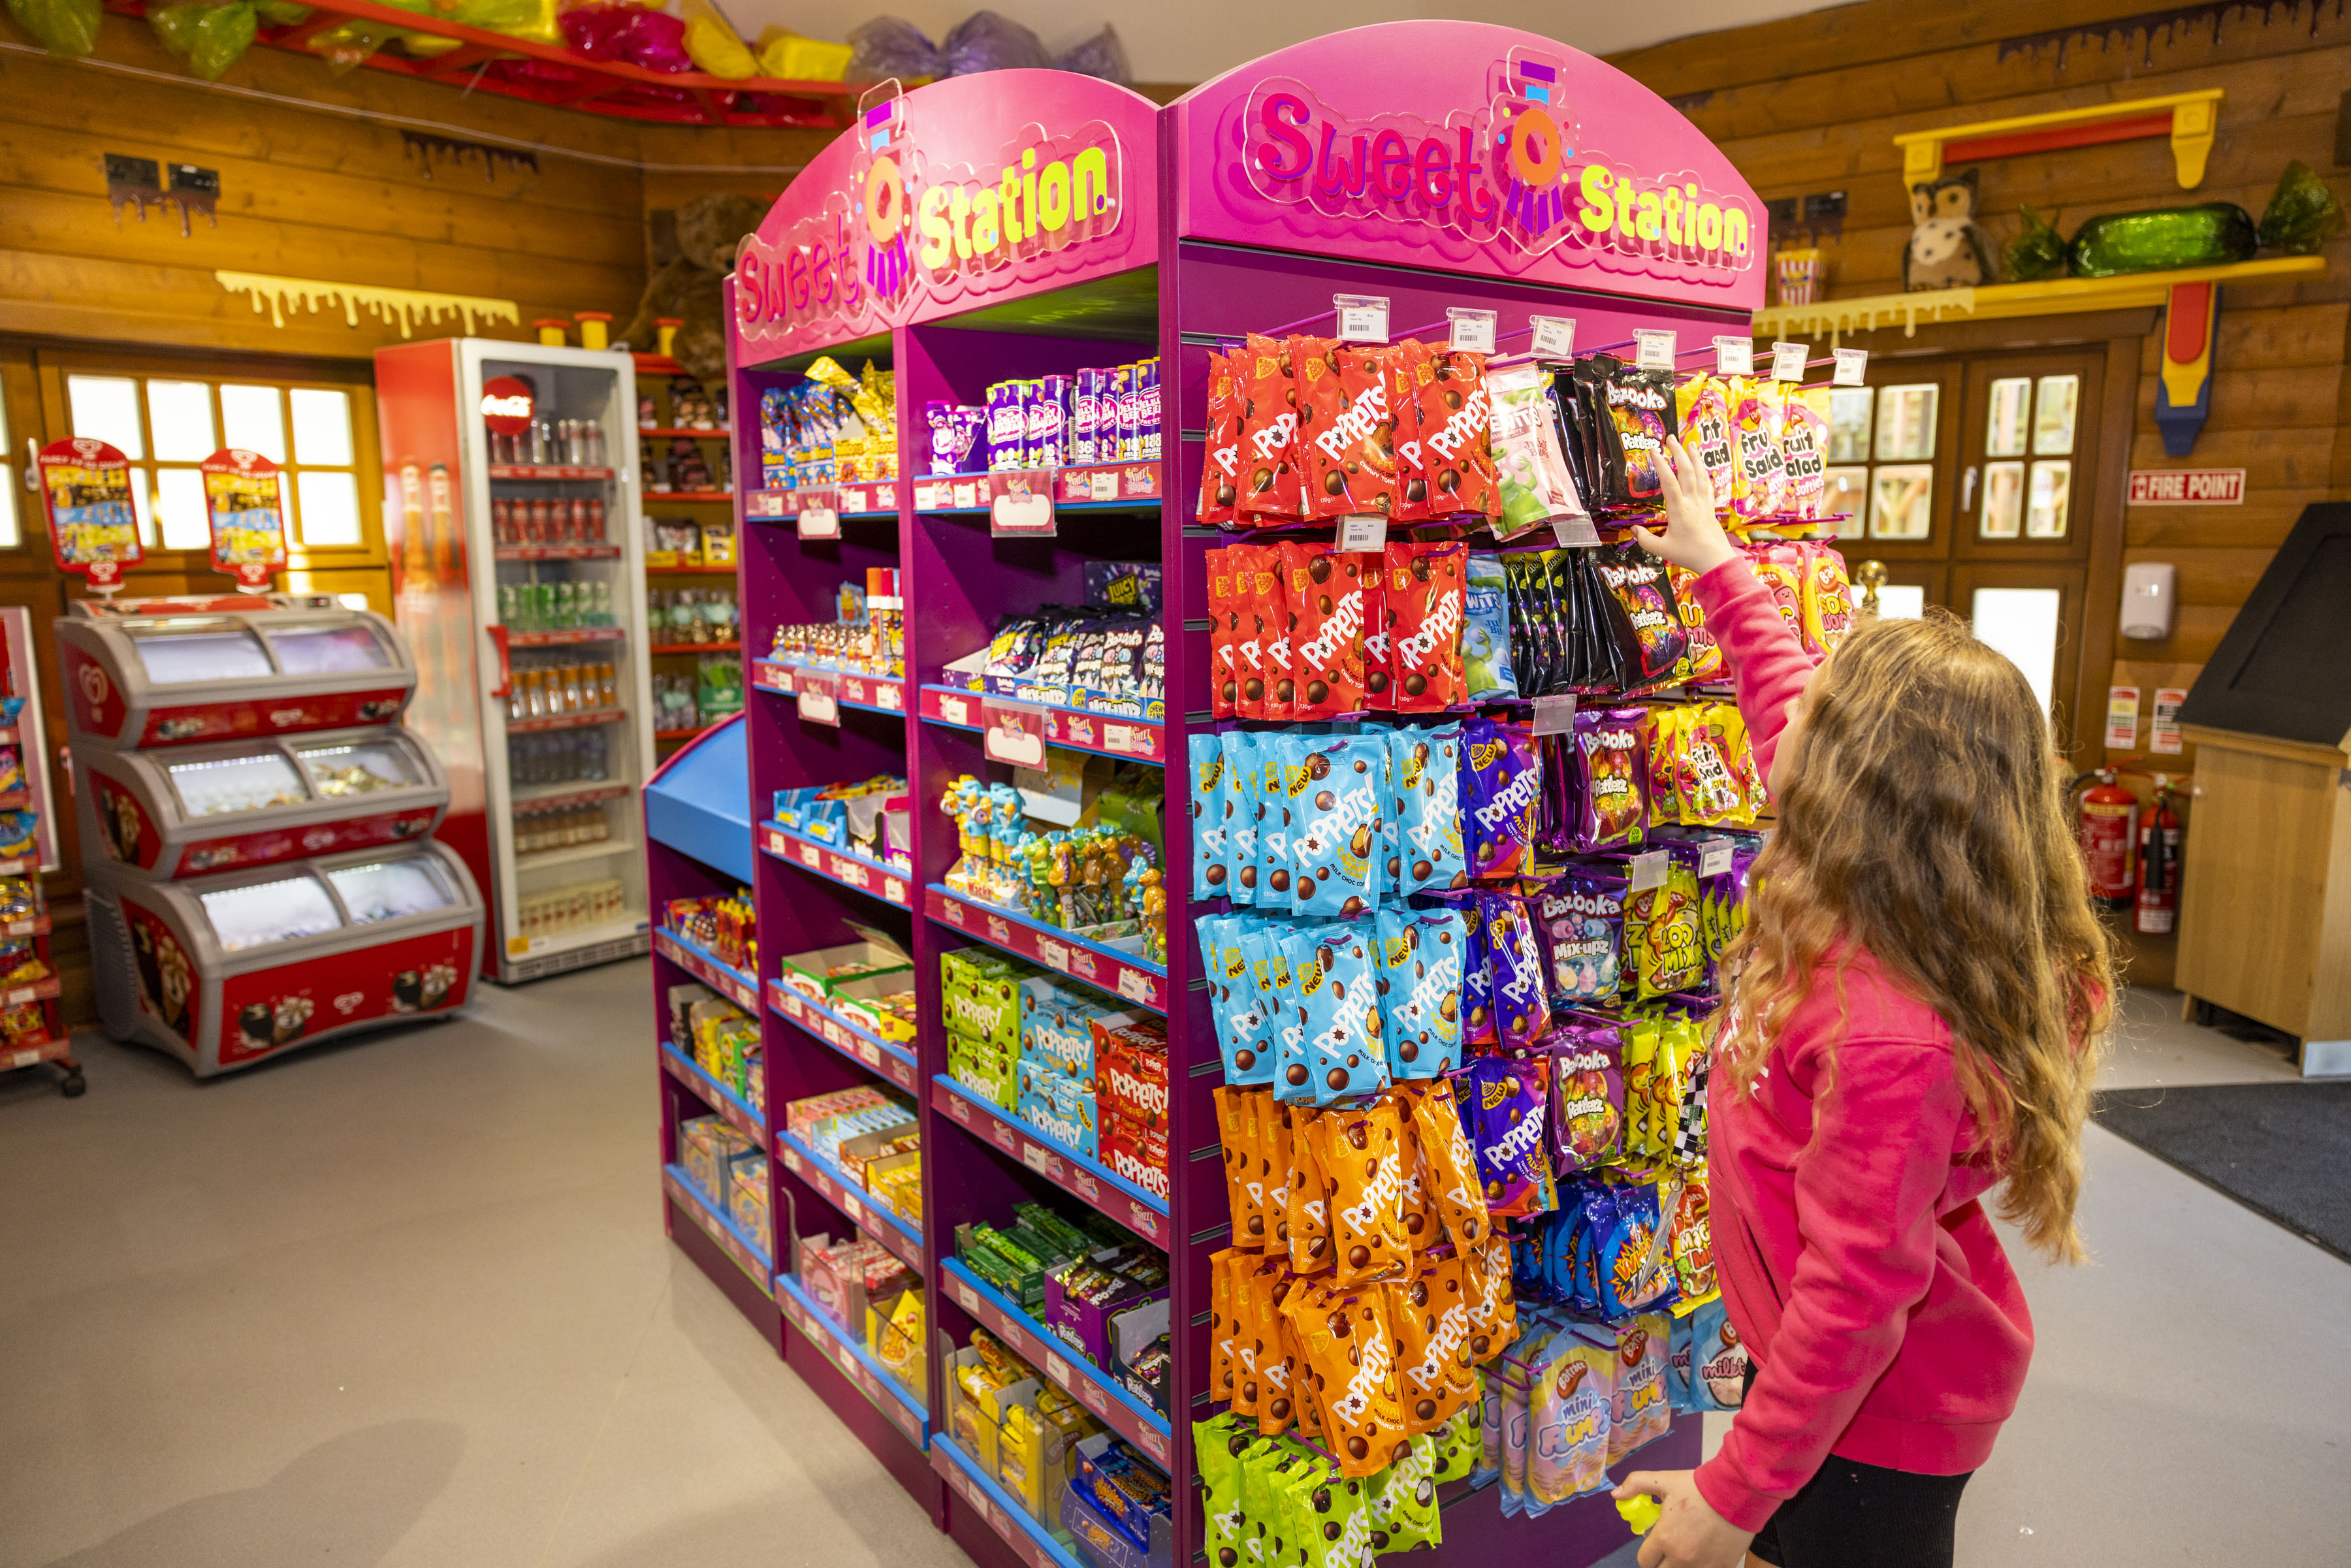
x=256, y=826
x=1037, y=226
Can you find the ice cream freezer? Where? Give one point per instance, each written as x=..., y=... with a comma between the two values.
x=163, y=672
x=198, y=809
x=224, y=971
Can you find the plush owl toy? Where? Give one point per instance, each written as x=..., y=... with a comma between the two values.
x=1947, y=248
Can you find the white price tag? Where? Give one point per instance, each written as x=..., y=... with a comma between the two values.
x=1649, y=870
x=1362, y=531
x=1035, y=1157
x=1103, y=487
x=969, y=1299
x=955, y=710
x=1362, y=317
x=1554, y=337
x=1850, y=364
x=1652, y=348
x=1031, y=514
x=1473, y=330
x=966, y=494
x=1574, y=533
x=819, y=701
x=1555, y=714
x=926, y=496
x=1734, y=355
x=820, y=523
x=1788, y=361
x=1134, y=985
x=1057, y=1369
x=1713, y=856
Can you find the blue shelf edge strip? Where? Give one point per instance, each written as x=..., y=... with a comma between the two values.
x=1058, y=934
x=1101, y=1173
x=1069, y=1353
x=712, y=1090
x=708, y=956
x=897, y=1053
x=1001, y=1500
x=856, y=1347
x=889, y=1215
x=723, y=1220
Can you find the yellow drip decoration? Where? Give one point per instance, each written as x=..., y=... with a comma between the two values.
x=401, y=307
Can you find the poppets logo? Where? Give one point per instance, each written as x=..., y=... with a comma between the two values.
x=1516, y=171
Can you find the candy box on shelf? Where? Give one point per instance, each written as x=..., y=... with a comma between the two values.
x=681, y=999
x=986, y=1070
x=896, y=1183
x=1123, y=1487
x=803, y=1117
x=705, y=1146
x=1130, y=1070
x=1141, y=1357
x=1100, y=1544
x=859, y=1155
x=1082, y=1295
x=894, y=1333
x=746, y=1193
x=882, y=1005
x=844, y=1278
x=815, y=973
x=1059, y=1106
x=1058, y=1018
x=828, y=1136
x=1134, y=1153
x=986, y=1011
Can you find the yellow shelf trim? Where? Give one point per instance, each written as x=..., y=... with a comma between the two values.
x=2057, y=296
x=2194, y=117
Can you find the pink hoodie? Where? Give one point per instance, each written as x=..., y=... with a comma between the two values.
x=1855, y=1259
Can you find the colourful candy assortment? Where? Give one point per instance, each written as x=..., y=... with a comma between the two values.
x=1101, y=881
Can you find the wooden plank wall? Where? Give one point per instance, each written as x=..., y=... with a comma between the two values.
x=1812, y=104
x=310, y=192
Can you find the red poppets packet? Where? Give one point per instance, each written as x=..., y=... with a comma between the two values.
x=1346, y=431
x=1220, y=465
x=1269, y=429
x=1326, y=610
x=1407, y=368
x=1262, y=643
x=1423, y=610
x=1455, y=416
x=1225, y=609
x=1379, y=650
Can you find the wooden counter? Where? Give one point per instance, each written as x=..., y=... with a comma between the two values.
x=2265, y=895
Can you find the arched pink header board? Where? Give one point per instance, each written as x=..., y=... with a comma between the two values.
x=1470, y=147
x=936, y=202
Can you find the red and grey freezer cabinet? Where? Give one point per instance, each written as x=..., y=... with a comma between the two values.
x=195, y=811
x=226, y=971
x=143, y=674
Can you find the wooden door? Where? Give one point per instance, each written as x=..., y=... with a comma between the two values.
x=1969, y=479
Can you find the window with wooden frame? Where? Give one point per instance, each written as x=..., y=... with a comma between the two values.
x=168, y=416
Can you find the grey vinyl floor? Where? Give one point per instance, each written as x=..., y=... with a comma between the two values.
x=407, y=1301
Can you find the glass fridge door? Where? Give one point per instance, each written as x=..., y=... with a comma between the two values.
x=237, y=784
x=219, y=651
x=359, y=767
x=329, y=650
x=387, y=890
x=268, y=912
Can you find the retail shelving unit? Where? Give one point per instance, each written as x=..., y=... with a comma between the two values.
x=1205, y=226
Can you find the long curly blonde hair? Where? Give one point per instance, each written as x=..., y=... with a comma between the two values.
x=1924, y=821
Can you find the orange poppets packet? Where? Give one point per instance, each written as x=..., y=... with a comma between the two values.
x=1237, y=1118
x=1363, y=1159
x=1350, y=1352
x=1430, y=1315
x=1447, y=1164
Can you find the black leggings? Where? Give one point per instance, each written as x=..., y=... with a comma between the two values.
x=1851, y=1515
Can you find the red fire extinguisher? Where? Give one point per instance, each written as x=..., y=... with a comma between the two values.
x=2158, y=865
x=2104, y=829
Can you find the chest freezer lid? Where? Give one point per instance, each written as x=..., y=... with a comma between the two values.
x=393, y=887
x=253, y=780
x=172, y=649
x=353, y=770
x=262, y=914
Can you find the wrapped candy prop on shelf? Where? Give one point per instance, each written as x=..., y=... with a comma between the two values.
x=833, y=428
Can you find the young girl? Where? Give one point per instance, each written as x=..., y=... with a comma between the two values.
x=1912, y=1024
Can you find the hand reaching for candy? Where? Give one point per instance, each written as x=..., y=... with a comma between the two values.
x=1693, y=539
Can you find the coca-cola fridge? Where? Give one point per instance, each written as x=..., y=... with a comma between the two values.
x=255, y=826
x=518, y=557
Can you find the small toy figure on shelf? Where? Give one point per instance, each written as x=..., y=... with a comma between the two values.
x=687, y=469
x=689, y=405
x=646, y=418
x=655, y=471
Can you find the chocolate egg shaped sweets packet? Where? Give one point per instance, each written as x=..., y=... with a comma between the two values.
x=1455, y=416
x=1365, y=1165
x=1445, y=1160
x=1436, y=1378
x=1335, y=996
x=1522, y=987
x=1420, y=991
x=1505, y=798
x=1212, y=812
x=1336, y=790
x=1425, y=781
x=1269, y=485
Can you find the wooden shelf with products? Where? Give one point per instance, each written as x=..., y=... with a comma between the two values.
x=2051, y=297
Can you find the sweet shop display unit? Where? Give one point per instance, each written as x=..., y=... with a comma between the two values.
x=1195, y=1049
